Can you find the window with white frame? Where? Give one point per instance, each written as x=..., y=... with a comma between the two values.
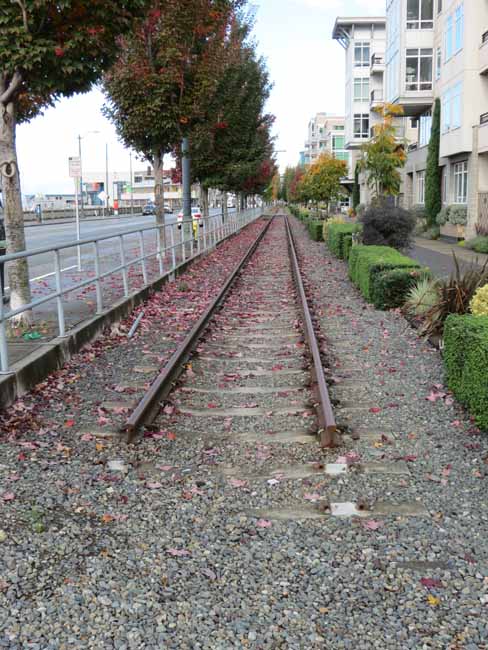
x=448, y=46
x=361, y=54
x=459, y=28
x=419, y=69
x=438, y=64
x=421, y=187
x=425, y=128
x=361, y=125
x=461, y=182
x=452, y=108
x=361, y=89
x=420, y=14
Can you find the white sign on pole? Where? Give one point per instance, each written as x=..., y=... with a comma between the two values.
x=75, y=167
x=102, y=195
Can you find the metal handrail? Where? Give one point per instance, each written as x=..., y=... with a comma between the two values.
x=211, y=233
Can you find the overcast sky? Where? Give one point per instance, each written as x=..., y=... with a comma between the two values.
x=306, y=66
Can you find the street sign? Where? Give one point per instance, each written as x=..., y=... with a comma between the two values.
x=75, y=167
x=102, y=196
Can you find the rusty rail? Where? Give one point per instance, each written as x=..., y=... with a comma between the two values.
x=149, y=405
x=329, y=435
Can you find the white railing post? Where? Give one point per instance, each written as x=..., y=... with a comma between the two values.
x=143, y=258
x=3, y=341
x=125, y=277
x=183, y=243
x=159, y=248
x=98, y=284
x=173, y=252
x=59, y=290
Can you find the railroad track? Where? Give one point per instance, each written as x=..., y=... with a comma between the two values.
x=252, y=361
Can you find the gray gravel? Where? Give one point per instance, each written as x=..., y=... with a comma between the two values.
x=160, y=545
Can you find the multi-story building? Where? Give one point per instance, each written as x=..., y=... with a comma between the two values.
x=425, y=49
x=325, y=134
x=364, y=41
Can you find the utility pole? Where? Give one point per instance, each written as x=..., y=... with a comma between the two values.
x=81, y=177
x=131, y=184
x=106, y=180
x=186, y=182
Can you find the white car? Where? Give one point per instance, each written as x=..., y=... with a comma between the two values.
x=196, y=214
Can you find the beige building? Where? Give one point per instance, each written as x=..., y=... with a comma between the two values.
x=439, y=48
x=325, y=134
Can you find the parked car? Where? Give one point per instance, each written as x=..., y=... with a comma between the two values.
x=167, y=209
x=149, y=208
x=196, y=214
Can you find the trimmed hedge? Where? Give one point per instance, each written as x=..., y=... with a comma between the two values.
x=366, y=262
x=315, y=230
x=466, y=360
x=390, y=288
x=478, y=244
x=346, y=246
x=336, y=234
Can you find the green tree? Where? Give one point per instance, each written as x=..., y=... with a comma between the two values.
x=383, y=155
x=48, y=50
x=166, y=77
x=322, y=180
x=433, y=176
x=356, y=190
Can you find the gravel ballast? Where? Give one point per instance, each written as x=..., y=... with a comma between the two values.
x=215, y=531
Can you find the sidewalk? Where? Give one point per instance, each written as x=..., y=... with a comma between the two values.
x=438, y=255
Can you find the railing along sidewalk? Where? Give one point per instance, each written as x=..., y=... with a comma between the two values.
x=180, y=240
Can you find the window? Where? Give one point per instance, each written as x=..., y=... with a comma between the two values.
x=341, y=155
x=425, y=129
x=419, y=69
x=338, y=142
x=456, y=105
x=361, y=89
x=421, y=187
x=461, y=182
x=438, y=65
x=448, y=45
x=339, y=128
x=137, y=179
x=420, y=14
x=361, y=55
x=361, y=125
x=459, y=28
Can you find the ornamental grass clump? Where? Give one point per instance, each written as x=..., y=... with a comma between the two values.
x=422, y=297
x=479, y=304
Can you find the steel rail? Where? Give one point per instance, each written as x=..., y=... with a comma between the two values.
x=149, y=405
x=329, y=435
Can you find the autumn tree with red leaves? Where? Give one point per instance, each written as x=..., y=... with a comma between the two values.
x=166, y=77
x=48, y=50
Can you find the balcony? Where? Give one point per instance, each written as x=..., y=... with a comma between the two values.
x=483, y=134
x=377, y=63
x=483, y=62
x=376, y=98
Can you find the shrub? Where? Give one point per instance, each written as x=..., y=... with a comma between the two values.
x=478, y=244
x=466, y=360
x=455, y=295
x=385, y=225
x=421, y=297
x=315, y=230
x=346, y=246
x=336, y=234
x=366, y=262
x=360, y=210
x=418, y=211
x=443, y=216
x=457, y=215
x=433, y=233
x=390, y=288
x=479, y=304
x=329, y=222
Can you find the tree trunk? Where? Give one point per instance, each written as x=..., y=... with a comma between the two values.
x=158, y=164
x=204, y=201
x=18, y=271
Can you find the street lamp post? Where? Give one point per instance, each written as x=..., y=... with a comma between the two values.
x=80, y=189
x=131, y=185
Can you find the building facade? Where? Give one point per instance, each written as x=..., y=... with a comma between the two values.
x=325, y=135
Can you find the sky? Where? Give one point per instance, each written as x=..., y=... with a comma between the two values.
x=305, y=65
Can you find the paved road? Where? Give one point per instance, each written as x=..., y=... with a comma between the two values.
x=438, y=256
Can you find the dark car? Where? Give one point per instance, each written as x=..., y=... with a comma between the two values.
x=149, y=208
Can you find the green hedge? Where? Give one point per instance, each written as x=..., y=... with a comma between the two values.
x=366, y=262
x=337, y=233
x=478, y=244
x=315, y=230
x=346, y=246
x=390, y=288
x=466, y=360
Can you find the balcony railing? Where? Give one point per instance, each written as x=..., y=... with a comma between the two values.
x=376, y=96
x=484, y=38
x=484, y=118
x=377, y=59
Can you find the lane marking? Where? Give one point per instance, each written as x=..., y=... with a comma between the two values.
x=48, y=275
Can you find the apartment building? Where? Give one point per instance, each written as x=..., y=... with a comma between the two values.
x=439, y=49
x=325, y=134
x=364, y=42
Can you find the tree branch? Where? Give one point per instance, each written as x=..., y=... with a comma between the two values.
x=24, y=14
x=11, y=89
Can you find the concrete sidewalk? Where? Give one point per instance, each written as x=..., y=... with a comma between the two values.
x=438, y=255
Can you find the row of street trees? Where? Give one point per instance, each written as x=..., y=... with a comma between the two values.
x=173, y=71
x=319, y=182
